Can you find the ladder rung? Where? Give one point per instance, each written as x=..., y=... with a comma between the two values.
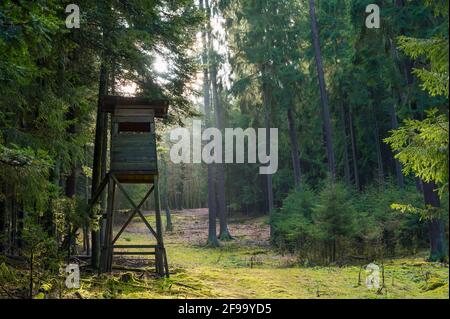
x=134, y=253
x=134, y=246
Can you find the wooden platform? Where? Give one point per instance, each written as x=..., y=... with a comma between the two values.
x=135, y=177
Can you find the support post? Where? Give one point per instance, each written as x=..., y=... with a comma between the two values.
x=108, y=242
x=107, y=252
x=161, y=258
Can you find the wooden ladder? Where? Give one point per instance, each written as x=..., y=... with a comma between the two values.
x=132, y=253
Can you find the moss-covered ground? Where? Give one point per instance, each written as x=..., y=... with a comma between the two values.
x=247, y=267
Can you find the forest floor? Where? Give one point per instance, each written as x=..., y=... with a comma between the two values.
x=247, y=267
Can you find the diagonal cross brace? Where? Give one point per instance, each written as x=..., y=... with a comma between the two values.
x=132, y=215
x=98, y=192
x=136, y=208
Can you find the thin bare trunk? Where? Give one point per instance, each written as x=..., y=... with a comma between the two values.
x=97, y=164
x=267, y=111
x=323, y=91
x=294, y=147
x=354, y=152
x=224, y=233
x=169, y=226
x=378, y=148
x=2, y=221
x=212, y=232
x=345, y=146
x=398, y=166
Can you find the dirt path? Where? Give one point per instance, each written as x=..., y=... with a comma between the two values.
x=190, y=233
x=191, y=227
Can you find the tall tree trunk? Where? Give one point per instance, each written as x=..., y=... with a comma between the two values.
x=392, y=111
x=345, y=146
x=267, y=112
x=20, y=227
x=354, y=151
x=438, y=245
x=48, y=218
x=71, y=182
x=294, y=147
x=212, y=208
x=13, y=235
x=70, y=190
x=405, y=64
x=376, y=134
x=86, y=239
x=70, y=187
x=323, y=91
x=392, y=108
x=55, y=172
x=100, y=128
x=104, y=196
x=224, y=233
x=212, y=232
x=169, y=226
x=180, y=188
x=398, y=166
x=2, y=221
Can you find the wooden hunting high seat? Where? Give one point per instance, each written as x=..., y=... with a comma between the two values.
x=133, y=138
x=133, y=160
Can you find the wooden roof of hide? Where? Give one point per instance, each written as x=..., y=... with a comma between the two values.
x=110, y=103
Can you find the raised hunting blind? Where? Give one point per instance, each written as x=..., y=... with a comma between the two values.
x=133, y=139
x=133, y=160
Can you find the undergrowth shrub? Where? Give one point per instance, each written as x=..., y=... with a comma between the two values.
x=336, y=224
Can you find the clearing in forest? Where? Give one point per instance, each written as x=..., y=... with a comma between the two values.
x=248, y=267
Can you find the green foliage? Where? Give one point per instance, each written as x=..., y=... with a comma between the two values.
x=42, y=262
x=49, y=92
x=434, y=76
x=20, y=157
x=332, y=224
x=333, y=212
x=40, y=249
x=28, y=170
x=422, y=148
x=435, y=80
x=293, y=222
x=49, y=87
x=427, y=213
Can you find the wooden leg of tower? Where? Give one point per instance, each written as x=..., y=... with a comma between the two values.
x=160, y=258
x=166, y=264
x=111, y=204
x=106, y=254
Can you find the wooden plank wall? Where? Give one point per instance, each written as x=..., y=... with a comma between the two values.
x=133, y=152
